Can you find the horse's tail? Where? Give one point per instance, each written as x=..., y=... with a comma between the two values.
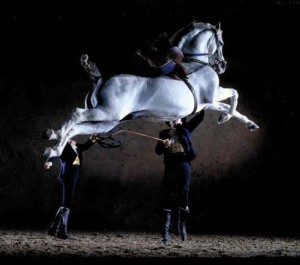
x=91, y=100
x=95, y=76
x=90, y=67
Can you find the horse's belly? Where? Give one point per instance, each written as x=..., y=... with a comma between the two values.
x=171, y=97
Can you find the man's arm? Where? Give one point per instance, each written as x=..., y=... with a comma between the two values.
x=49, y=162
x=194, y=122
x=161, y=146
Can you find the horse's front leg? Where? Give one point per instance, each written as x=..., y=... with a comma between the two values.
x=224, y=93
x=222, y=107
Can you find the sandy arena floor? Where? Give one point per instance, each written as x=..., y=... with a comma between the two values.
x=17, y=245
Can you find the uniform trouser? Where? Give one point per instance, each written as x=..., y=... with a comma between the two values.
x=68, y=183
x=176, y=185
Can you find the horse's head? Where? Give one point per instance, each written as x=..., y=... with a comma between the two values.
x=202, y=42
x=217, y=59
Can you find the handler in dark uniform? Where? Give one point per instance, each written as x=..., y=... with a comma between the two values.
x=178, y=153
x=71, y=160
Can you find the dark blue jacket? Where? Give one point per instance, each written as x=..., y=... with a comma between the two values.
x=184, y=132
x=68, y=155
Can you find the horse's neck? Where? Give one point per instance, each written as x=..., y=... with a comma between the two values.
x=202, y=55
x=196, y=46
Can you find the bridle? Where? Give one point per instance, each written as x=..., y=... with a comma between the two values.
x=217, y=58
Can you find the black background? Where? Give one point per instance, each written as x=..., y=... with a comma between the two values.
x=41, y=46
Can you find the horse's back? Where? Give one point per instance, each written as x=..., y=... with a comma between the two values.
x=159, y=95
x=132, y=84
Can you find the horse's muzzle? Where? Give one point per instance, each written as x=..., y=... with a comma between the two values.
x=221, y=67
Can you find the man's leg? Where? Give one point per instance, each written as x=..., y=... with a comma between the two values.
x=166, y=225
x=184, y=186
x=167, y=192
x=69, y=185
x=183, y=216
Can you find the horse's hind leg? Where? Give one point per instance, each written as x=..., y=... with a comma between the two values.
x=85, y=128
x=90, y=117
x=90, y=103
x=224, y=93
x=51, y=134
x=78, y=116
x=222, y=107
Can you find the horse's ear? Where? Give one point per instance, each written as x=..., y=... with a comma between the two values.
x=218, y=27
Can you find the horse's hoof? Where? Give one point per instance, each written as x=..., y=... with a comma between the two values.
x=47, y=152
x=224, y=117
x=252, y=127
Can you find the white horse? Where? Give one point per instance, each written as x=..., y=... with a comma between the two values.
x=124, y=97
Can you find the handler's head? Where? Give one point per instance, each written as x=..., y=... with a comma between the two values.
x=175, y=123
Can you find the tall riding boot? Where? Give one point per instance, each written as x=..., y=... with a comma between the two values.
x=62, y=229
x=183, y=216
x=175, y=221
x=166, y=226
x=53, y=228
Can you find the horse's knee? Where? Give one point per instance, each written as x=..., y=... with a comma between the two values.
x=235, y=93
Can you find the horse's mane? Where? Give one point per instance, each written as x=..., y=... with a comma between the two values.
x=155, y=52
x=185, y=30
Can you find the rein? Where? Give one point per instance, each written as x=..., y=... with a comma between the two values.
x=140, y=134
x=117, y=143
x=197, y=54
x=188, y=60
